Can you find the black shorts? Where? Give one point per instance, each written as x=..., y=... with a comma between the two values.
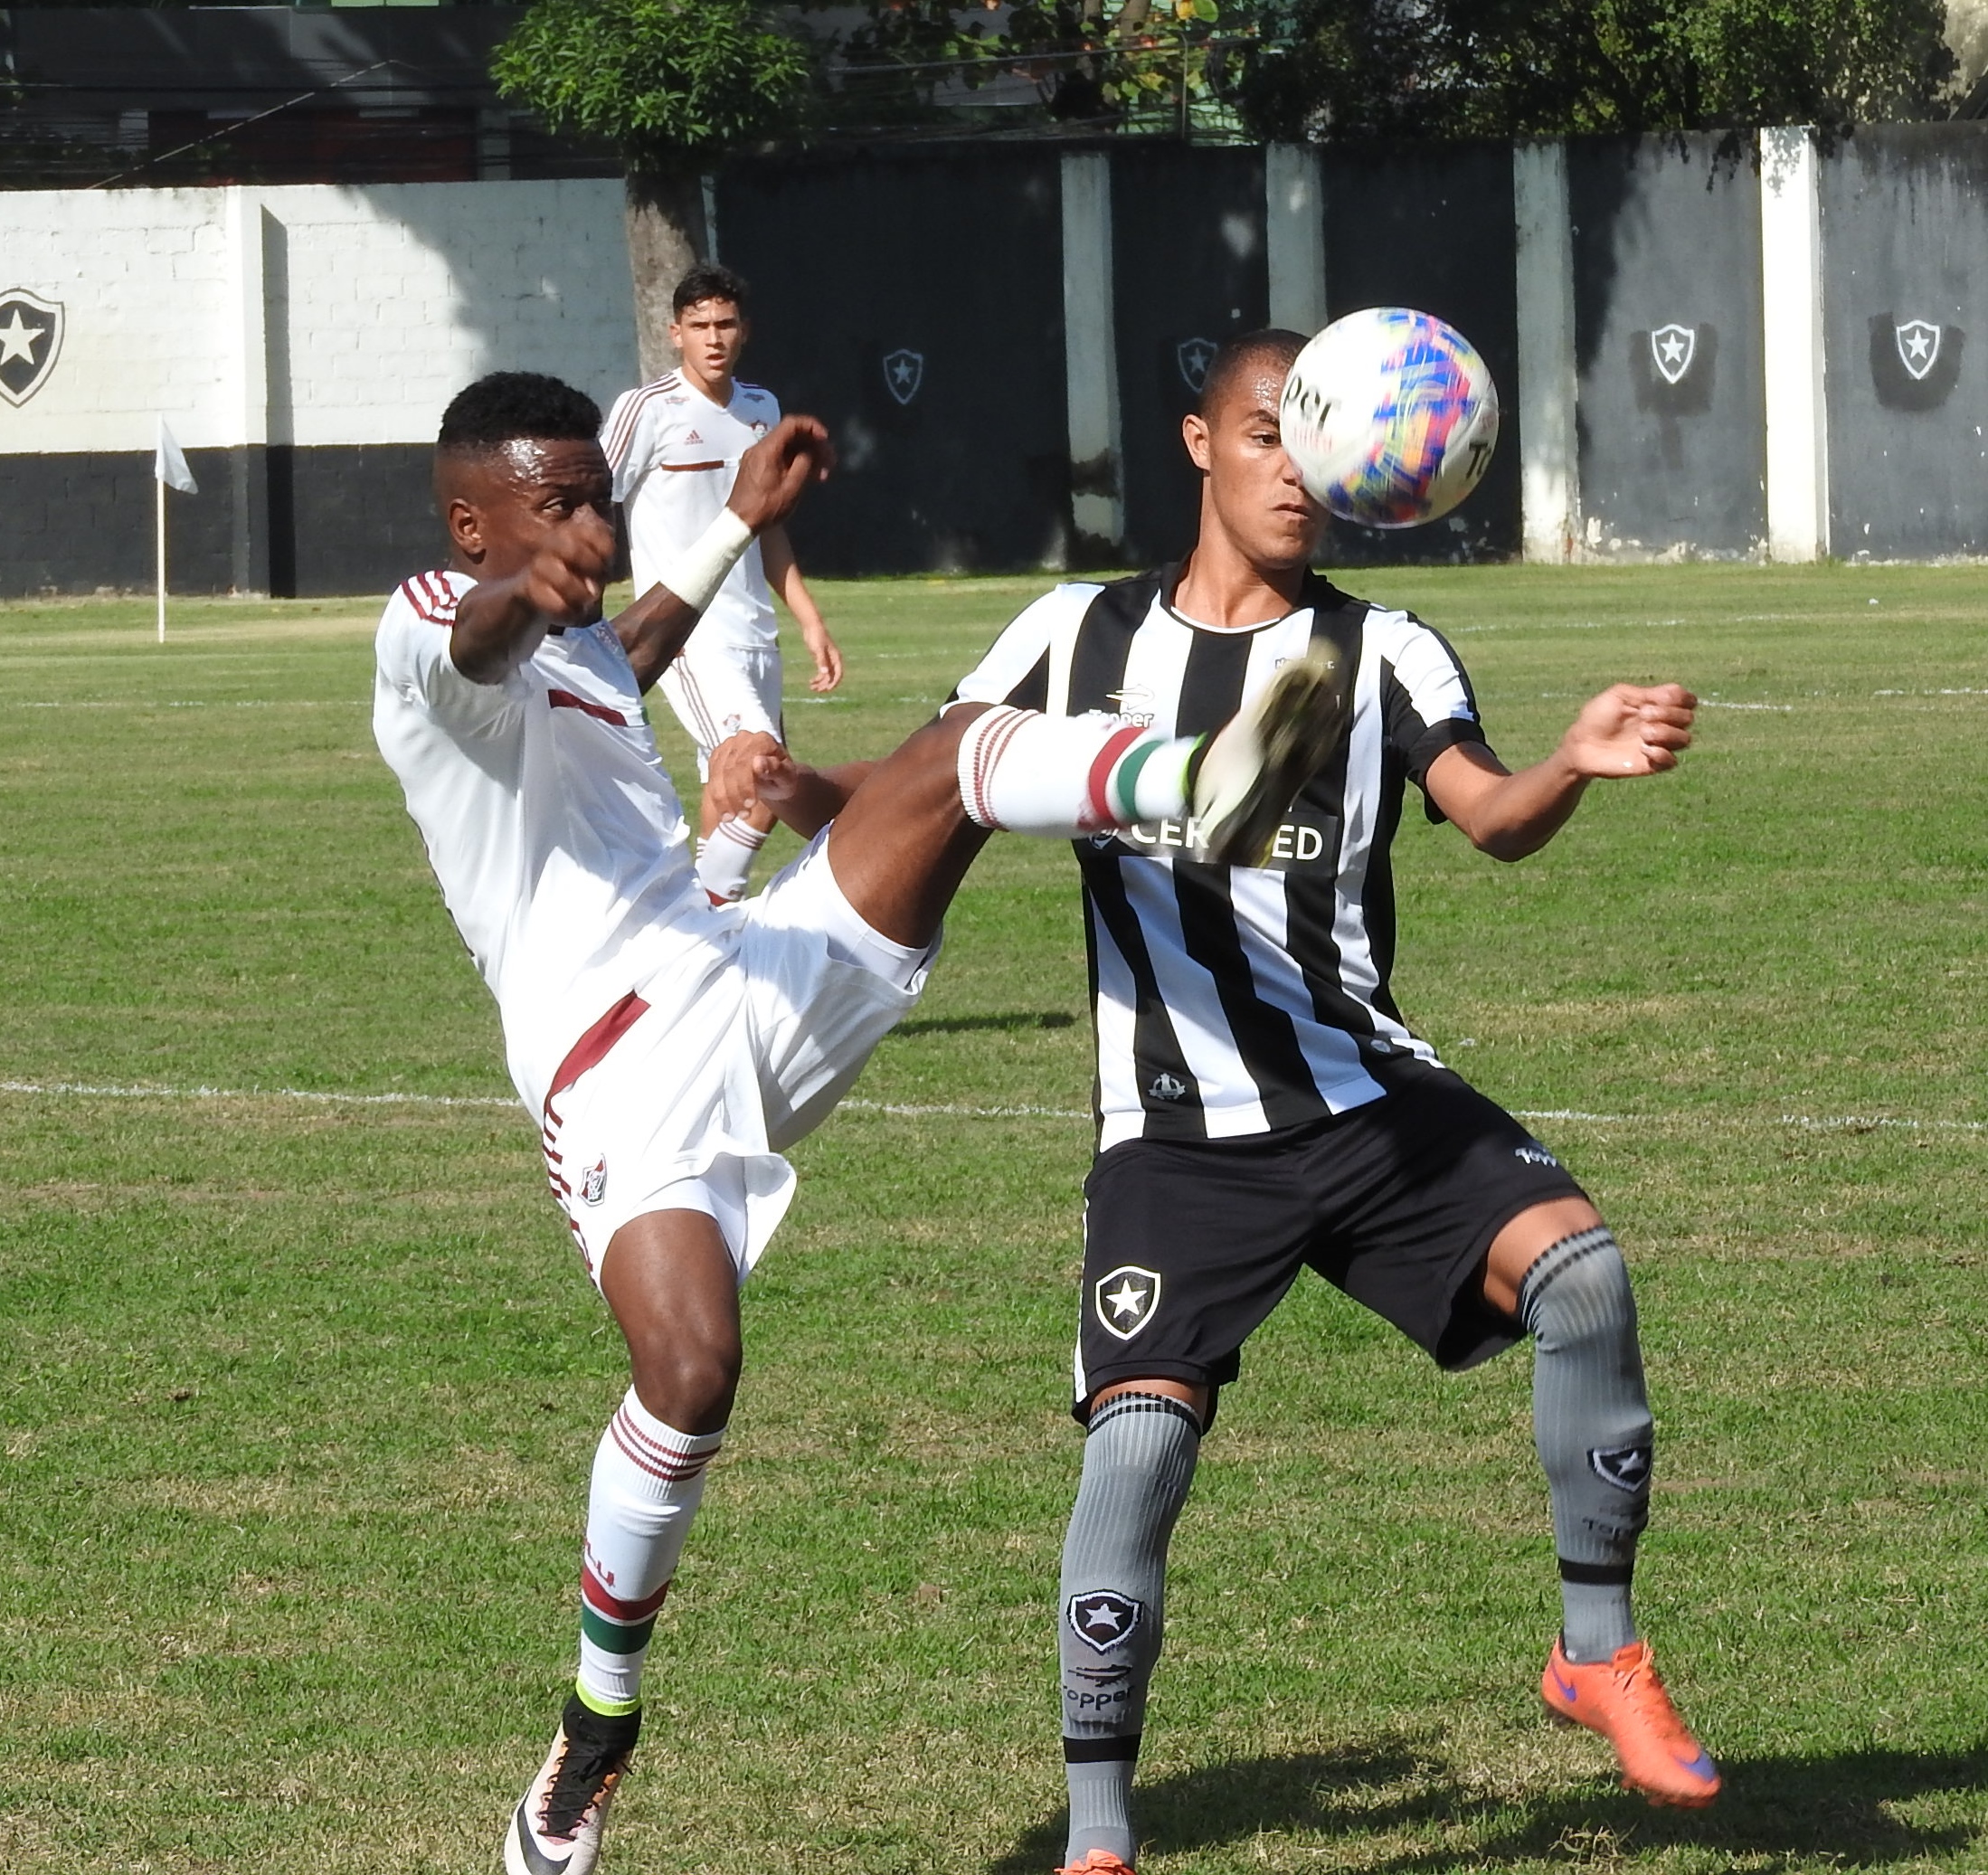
x=1188, y=1244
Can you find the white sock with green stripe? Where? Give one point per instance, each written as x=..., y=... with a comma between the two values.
x=648, y=1479
x=1063, y=776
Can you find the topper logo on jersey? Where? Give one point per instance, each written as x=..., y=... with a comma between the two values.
x=31, y=337
x=1672, y=350
x=1103, y=1619
x=1135, y=704
x=1194, y=356
x=903, y=373
x=1626, y=1467
x=1918, y=342
x=1125, y=1299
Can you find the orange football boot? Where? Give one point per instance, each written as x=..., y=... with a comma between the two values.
x=1623, y=1699
x=1100, y=1861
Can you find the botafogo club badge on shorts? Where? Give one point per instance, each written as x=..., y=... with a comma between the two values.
x=1125, y=1299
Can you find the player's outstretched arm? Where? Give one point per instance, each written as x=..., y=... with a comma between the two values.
x=499, y=623
x=773, y=475
x=1628, y=730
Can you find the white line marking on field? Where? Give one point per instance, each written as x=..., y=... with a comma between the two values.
x=1712, y=702
x=1962, y=692
x=909, y=1110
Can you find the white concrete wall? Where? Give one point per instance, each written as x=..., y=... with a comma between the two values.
x=315, y=315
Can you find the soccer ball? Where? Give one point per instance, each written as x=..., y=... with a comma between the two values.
x=1390, y=416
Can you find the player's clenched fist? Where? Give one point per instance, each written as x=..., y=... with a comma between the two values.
x=570, y=571
x=775, y=471
x=1631, y=729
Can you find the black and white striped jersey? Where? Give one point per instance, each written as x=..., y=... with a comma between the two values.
x=1233, y=999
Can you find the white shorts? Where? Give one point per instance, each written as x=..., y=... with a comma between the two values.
x=682, y=1095
x=759, y=666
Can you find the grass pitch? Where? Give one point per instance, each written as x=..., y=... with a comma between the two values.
x=299, y=1393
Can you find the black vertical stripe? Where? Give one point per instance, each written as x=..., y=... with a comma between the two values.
x=1105, y=642
x=1156, y=1047
x=1266, y=1038
x=1312, y=898
x=1033, y=692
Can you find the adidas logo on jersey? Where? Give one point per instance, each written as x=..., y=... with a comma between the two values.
x=693, y=437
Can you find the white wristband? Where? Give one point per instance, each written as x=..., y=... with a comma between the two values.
x=695, y=574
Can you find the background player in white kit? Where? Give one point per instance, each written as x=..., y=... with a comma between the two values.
x=674, y=447
x=668, y=1048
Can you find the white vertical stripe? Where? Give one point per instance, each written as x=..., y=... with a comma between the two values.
x=1117, y=1001
x=1229, y=1097
x=1156, y=664
x=1361, y=805
x=1263, y=923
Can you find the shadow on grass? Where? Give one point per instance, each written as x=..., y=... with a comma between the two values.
x=1828, y=1806
x=966, y=1025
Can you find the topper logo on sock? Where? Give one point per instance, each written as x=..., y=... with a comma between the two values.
x=1102, y=1618
x=1626, y=1467
x=594, y=1181
x=1125, y=1299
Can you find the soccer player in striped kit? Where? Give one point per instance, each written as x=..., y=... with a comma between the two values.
x=1263, y=1105
x=674, y=447
x=668, y=1048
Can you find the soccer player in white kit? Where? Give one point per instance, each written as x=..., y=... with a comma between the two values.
x=669, y=1048
x=674, y=447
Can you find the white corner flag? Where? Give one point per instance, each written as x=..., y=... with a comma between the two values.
x=169, y=469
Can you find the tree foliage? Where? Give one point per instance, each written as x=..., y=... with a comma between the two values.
x=669, y=82
x=1129, y=64
x=1332, y=69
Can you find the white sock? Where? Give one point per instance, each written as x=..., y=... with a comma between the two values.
x=648, y=1479
x=724, y=857
x=1062, y=776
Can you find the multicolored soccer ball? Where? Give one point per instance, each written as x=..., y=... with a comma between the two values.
x=1391, y=417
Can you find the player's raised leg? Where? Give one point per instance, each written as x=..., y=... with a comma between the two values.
x=904, y=835
x=1556, y=1268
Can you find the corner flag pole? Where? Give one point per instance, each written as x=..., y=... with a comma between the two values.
x=169, y=469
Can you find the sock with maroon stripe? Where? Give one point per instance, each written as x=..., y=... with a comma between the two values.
x=724, y=857
x=648, y=1478
x=1063, y=776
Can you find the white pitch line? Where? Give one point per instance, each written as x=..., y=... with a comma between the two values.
x=941, y=1110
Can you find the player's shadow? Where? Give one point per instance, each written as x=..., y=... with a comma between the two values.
x=1835, y=1806
x=966, y=1025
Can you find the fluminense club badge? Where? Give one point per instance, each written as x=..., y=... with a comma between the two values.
x=1918, y=343
x=903, y=373
x=1125, y=1299
x=31, y=340
x=1194, y=356
x=594, y=1181
x=1672, y=350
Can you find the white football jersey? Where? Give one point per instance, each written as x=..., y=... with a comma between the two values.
x=675, y=455
x=549, y=820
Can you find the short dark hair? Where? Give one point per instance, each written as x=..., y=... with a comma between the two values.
x=512, y=406
x=1234, y=356
x=708, y=280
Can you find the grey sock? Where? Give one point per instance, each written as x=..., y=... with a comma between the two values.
x=1591, y=1421
x=1138, y=1462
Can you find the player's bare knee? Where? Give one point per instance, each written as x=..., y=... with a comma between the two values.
x=686, y=1380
